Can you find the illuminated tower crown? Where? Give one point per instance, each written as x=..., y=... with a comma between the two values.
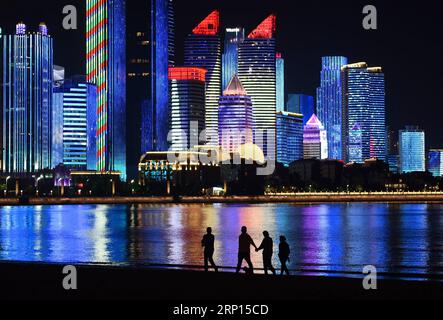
x=266, y=29
x=209, y=26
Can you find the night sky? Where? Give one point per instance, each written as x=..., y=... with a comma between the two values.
x=407, y=45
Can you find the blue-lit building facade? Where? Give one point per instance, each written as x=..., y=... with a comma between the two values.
x=302, y=104
x=411, y=144
x=364, y=105
x=27, y=81
x=355, y=144
x=235, y=117
x=289, y=137
x=155, y=112
x=393, y=163
x=435, y=162
x=70, y=139
x=280, y=80
x=329, y=103
x=203, y=50
x=257, y=73
x=233, y=37
x=106, y=68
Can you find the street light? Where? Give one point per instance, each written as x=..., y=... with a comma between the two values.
x=61, y=183
x=132, y=188
x=112, y=187
x=36, y=182
x=6, y=191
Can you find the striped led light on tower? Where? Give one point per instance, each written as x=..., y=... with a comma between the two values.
x=203, y=50
x=257, y=71
x=96, y=43
x=106, y=68
x=187, y=105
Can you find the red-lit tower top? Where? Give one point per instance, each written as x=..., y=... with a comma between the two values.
x=266, y=29
x=187, y=73
x=210, y=26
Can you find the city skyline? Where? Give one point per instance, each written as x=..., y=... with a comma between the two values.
x=302, y=55
x=311, y=127
x=260, y=69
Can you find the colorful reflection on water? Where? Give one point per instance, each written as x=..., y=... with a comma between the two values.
x=337, y=237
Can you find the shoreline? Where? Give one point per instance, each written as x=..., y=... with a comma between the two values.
x=40, y=281
x=295, y=199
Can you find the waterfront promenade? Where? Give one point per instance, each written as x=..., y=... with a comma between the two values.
x=412, y=197
x=44, y=281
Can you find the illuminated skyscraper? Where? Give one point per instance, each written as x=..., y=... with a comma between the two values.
x=364, y=104
x=315, y=142
x=27, y=81
x=280, y=78
x=138, y=78
x=155, y=112
x=392, y=150
x=235, y=117
x=302, y=104
x=70, y=140
x=203, y=49
x=289, y=137
x=329, y=103
x=257, y=72
x=106, y=68
x=355, y=144
x=412, y=150
x=435, y=162
x=187, y=90
x=233, y=38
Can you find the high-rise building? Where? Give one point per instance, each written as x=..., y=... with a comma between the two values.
x=392, y=141
x=27, y=81
x=137, y=81
x=355, y=144
x=412, y=150
x=235, y=125
x=155, y=111
x=106, y=68
x=70, y=140
x=280, y=78
x=187, y=99
x=329, y=103
x=392, y=150
x=289, y=137
x=364, y=104
x=203, y=49
x=302, y=104
x=233, y=38
x=393, y=162
x=315, y=141
x=435, y=162
x=257, y=72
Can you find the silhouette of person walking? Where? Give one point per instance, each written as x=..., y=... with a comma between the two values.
x=267, y=246
x=283, y=254
x=208, y=243
x=244, y=251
